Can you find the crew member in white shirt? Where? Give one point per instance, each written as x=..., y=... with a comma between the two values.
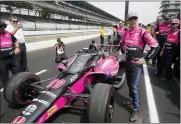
x=15, y=28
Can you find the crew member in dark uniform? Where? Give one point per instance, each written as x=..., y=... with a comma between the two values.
x=9, y=47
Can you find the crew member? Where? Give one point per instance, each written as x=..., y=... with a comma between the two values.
x=102, y=35
x=15, y=29
x=149, y=28
x=162, y=30
x=93, y=46
x=168, y=53
x=156, y=35
x=120, y=32
x=114, y=30
x=110, y=33
x=8, y=47
x=134, y=41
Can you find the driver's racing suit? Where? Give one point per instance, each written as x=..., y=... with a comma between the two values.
x=134, y=41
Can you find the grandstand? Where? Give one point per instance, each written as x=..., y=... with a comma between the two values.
x=55, y=15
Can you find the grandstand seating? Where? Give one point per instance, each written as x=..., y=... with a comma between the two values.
x=42, y=24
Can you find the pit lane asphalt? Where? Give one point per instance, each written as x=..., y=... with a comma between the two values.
x=167, y=96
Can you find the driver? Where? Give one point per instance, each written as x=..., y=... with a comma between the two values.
x=134, y=41
x=7, y=51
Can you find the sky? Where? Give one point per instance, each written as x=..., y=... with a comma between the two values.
x=147, y=11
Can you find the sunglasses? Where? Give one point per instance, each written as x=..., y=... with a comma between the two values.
x=14, y=21
x=173, y=23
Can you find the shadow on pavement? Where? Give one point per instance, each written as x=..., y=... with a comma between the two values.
x=119, y=100
x=174, y=114
x=172, y=90
x=173, y=93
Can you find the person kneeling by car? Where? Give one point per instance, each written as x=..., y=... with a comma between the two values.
x=133, y=43
x=60, y=51
x=7, y=53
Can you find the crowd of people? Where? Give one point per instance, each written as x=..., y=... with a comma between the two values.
x=163, y=40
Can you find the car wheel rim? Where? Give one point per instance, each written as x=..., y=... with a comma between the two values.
x=24, y=90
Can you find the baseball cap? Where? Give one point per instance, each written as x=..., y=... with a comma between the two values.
x=175, y=21
x=132, y=14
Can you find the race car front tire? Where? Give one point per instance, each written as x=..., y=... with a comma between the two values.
x=13, y=90
x=101, y=104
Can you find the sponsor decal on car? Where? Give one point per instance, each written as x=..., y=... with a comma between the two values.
x=19, y=119
x=56, y=84
x=72, y=79
x=52, y=110
x=49, y=94
x=41, y=101
x=29, y=110
x=114, y=72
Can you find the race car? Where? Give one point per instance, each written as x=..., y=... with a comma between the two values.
x=91, y=77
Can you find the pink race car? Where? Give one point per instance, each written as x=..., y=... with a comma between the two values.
x=91, y=77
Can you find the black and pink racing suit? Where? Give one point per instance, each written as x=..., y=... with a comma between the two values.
x=134, y=41
x=163, y=30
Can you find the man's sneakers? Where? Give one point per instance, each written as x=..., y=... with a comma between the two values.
x=134, y=115
x=128, y=102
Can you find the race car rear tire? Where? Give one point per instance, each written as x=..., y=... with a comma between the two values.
x=14, y=87
x=101, y=104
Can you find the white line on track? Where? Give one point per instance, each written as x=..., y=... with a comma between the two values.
x=150, y=97
x=40, y=72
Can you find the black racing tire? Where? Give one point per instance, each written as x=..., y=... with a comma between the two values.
x=14, y=87
x=101, y=104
